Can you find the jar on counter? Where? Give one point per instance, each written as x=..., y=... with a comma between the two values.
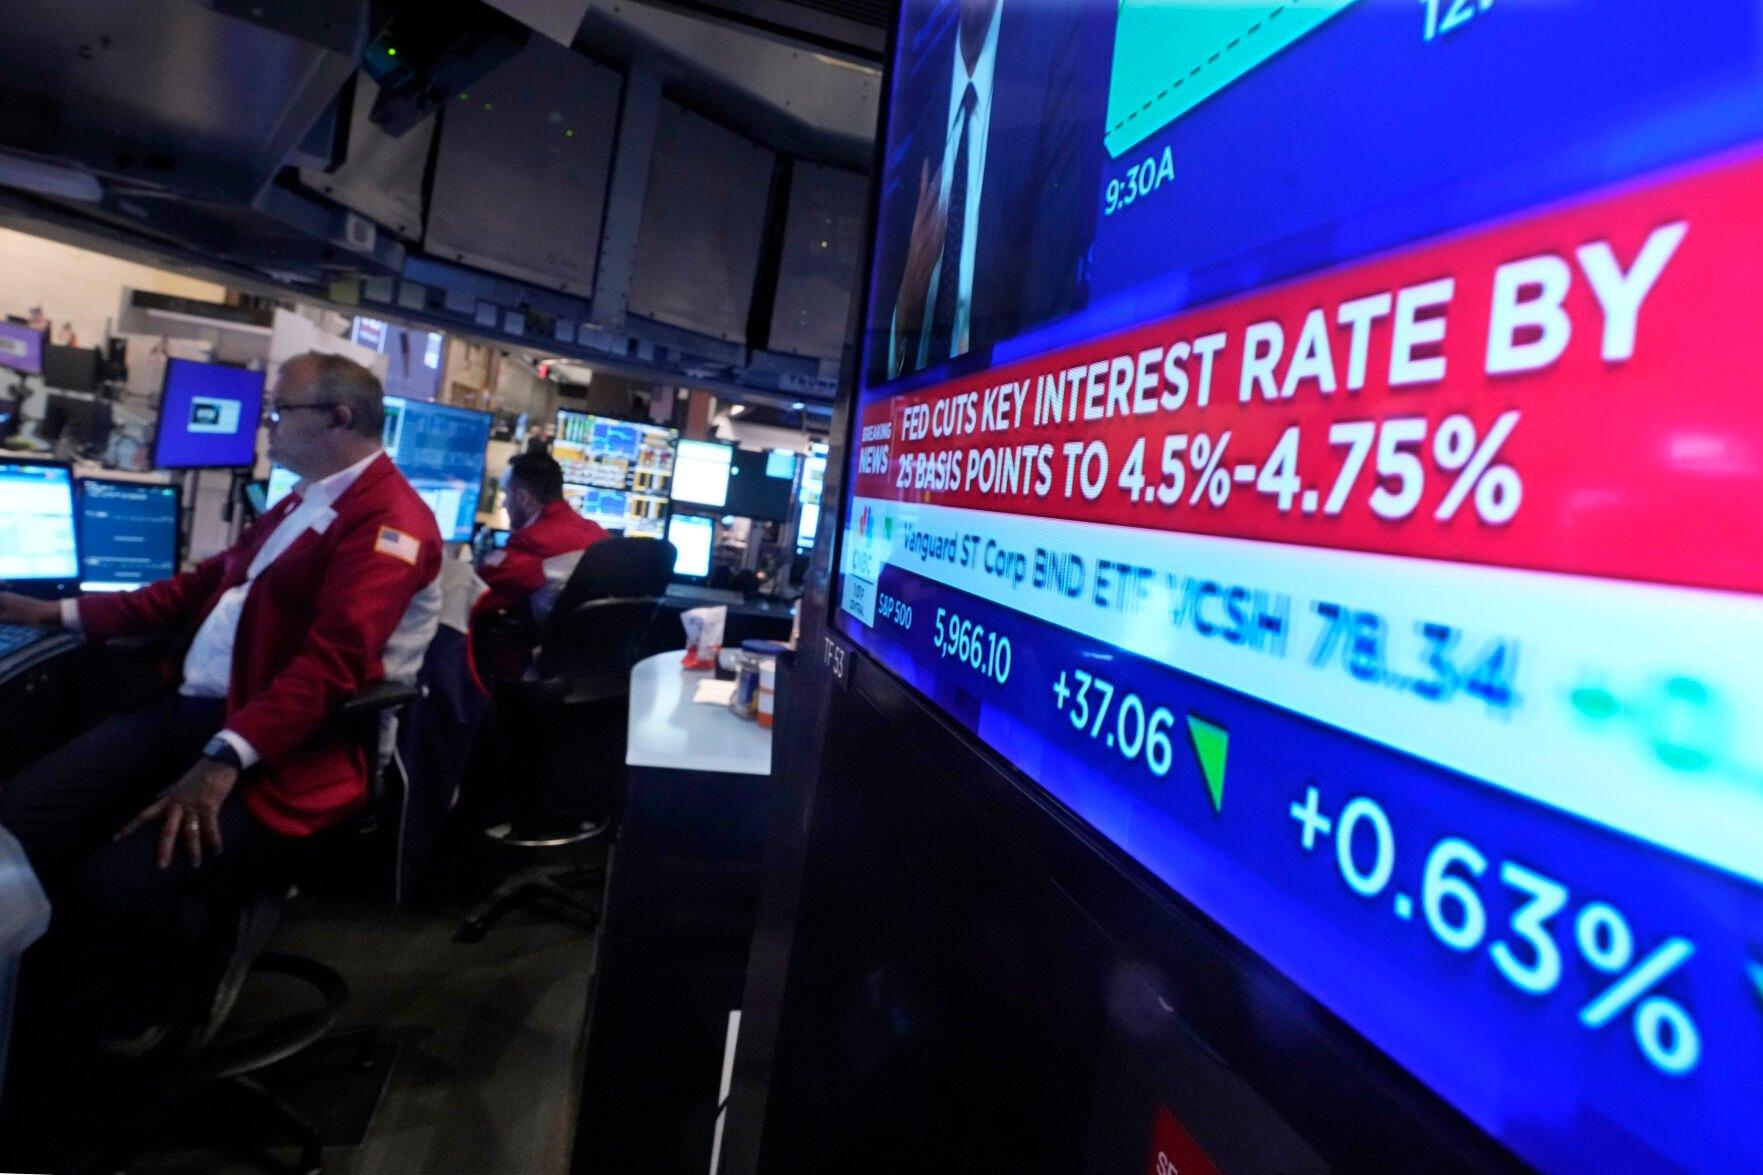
x=758, y=660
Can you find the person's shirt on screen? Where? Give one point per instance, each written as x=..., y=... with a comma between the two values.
x=922, y=340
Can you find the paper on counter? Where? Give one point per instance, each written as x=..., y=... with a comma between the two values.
x=712, y=692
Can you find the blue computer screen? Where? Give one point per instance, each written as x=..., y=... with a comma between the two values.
x=208, y=416
x=38, y=540
x=128, y=534
x=441, y=451
x=440, y=448
x=1317, y=444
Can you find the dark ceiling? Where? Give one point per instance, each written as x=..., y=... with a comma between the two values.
x=638, y=197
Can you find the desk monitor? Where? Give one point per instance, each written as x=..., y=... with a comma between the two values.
x=83, y=421
x=72, y=369
x=39, y=542
x=694, y=536
x=281, y=483
x=21, y=348
x=813, y=484
x=441, y=449
x=701, y=473
x=128, y=534
x=1304, y=514
x=621, y=471
x=761, y=485
x=208, y=416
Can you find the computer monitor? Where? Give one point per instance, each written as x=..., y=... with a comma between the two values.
x=281, y=483
x=39, y=543
x=440, y=449
x=81, y=421
x=761, y=485
x=208, y=416
x=813, y=484
x=128, y=532
x=694, y=536
x=21, y=348
x=72, y=369
x=618, y=473
x=701, y=473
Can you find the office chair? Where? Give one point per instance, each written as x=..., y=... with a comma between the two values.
x=567, y=721
x=208, y=1056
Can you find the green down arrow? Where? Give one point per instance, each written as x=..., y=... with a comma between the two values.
x=1211, y=744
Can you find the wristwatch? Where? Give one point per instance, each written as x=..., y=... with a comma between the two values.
x=222, y=750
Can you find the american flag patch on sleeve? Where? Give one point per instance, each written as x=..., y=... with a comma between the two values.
x=398, y=545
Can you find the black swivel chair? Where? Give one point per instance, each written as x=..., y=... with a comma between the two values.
x=209, y=1057
x=562, y=729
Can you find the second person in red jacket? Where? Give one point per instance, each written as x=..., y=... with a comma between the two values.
x=525, y=577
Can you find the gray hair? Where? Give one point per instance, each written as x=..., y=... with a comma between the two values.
x=337, y=380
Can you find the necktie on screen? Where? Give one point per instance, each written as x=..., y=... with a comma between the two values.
x=949, y=281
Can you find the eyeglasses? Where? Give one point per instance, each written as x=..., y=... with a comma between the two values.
x=275, y=414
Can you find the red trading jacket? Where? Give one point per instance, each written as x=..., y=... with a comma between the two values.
x=532, y=561
x=311, y=634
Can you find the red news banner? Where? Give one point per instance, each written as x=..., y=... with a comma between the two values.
x=1574, y=391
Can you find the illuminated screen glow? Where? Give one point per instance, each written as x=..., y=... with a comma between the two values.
x=37, y=538
x=618, y=473
x=700, y=473
x=441, y=452
x=128, y=534
x=1340, y=495
x=693, y=536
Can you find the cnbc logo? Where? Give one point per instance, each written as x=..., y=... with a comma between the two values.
x=866, y=522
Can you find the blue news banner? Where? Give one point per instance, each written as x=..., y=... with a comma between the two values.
x=1582, y=995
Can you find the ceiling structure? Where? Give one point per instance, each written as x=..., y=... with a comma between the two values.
x=676, y=192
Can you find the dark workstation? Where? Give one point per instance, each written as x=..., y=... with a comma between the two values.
x=738, y=586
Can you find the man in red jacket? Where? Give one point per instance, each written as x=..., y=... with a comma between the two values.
x=525, y=577
x=146, y=828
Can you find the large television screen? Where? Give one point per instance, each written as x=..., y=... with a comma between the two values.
x=1318, y=446
x=618, y=473
x=208, y=416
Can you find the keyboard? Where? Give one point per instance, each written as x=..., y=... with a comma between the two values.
x=14, y=637
x=709, y=595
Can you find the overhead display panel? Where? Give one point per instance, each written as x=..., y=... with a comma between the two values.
x=520, y=175
x=703, y=222
x=1316, y=445
x=818, y=267
x=381, y=175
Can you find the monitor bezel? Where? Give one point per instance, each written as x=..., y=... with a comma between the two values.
x=177, y=514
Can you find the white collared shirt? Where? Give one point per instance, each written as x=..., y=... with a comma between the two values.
x=208, y=666
x=978, y=125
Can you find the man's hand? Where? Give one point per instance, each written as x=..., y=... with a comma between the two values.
x=17, y=609
x=929, y=226
x=191, y=811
